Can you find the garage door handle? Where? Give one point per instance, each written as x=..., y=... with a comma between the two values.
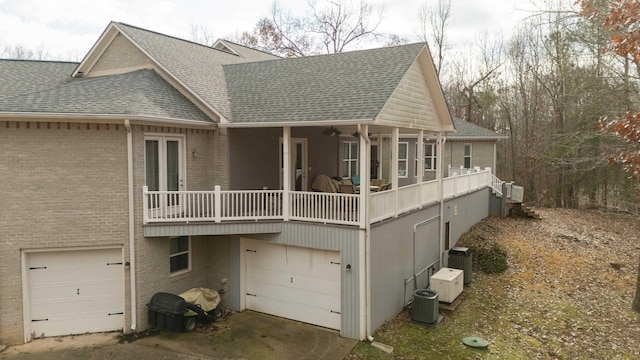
x=38, y=268
x=34, y=320
x=254, y=295
x=118, y=313
x=335, y=312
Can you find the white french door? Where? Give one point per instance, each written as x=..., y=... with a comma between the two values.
x=298, y=157
x=164, y=168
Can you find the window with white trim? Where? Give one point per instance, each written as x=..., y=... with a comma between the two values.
x=403, y=159
x=467, y=156
x=429, y=157
x=179, y=255
x=349, y=159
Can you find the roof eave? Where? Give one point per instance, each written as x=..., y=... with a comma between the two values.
x=103, y=118
x=296, y=123
x=496, y=138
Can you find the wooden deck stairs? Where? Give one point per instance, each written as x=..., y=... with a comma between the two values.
x=521, y=210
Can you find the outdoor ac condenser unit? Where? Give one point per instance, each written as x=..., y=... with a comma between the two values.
x=425, y=306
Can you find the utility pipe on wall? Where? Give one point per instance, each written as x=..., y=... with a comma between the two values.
x=365, y=170
x=132, y=248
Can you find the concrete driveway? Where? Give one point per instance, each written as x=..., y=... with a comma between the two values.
x=246, y=335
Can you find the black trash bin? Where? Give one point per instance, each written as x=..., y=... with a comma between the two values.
x=166, y=311
x=460, y=258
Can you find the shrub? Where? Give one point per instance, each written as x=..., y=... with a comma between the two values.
x=492, y=260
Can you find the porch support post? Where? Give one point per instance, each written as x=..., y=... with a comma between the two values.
x=365, y=171
x=395, y=140
x=420, y=164
x=286, y=171
x=380, y=139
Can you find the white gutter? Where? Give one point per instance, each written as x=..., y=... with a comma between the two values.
x=109, y=118
x=132, y=247
x=364, y=195
x=297, y=123
x=439, y=168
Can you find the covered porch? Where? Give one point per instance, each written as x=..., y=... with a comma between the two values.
x=260, y=164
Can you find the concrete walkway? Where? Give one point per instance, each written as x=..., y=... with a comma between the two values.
x=247, y=335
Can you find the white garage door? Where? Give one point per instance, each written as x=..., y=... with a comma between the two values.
x=75, y=292
x=293, y=282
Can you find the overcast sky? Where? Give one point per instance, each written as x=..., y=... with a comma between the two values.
x=68, y=28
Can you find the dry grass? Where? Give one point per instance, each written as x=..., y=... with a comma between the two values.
x=566, y=294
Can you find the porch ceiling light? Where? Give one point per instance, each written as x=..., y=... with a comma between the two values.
x=331, y=131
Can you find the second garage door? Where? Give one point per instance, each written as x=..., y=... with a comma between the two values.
x=293, y=282
x=74, y=292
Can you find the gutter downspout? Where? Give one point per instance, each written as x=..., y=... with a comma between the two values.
x=132, y=248
x=439, y=168
x=364, y=193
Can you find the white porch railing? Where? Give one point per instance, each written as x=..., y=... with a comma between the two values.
x=325, y=207
x=253, y=205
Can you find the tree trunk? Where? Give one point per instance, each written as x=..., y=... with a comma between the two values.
x=636, y=298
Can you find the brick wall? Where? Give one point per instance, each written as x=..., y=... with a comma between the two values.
x=62, y=185
x=65, y=185
x=206, y=167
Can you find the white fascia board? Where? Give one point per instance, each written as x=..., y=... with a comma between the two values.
x=296, y=123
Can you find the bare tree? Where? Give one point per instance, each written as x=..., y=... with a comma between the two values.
x=329, y=27
x=201, y=34
x=434, y=22
x=24, y=53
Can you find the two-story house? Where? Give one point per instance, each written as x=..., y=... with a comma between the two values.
x=157, y=164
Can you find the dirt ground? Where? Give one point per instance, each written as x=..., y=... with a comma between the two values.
x=566, y=294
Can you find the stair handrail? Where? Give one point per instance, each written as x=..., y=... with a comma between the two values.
x=496, y=185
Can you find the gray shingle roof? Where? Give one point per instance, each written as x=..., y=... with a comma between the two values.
x=25, y=76
x=197, y=66
x=139, y=93
x=465, y=129
x=346, y=86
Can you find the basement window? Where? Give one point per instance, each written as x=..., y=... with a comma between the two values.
x=180, y=255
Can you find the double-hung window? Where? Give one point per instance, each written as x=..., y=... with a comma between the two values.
x=403, y=159
x=467, y=156
x=429, y=156
x=349, y=159
x=180, y=255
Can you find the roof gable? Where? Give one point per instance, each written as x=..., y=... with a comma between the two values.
x=418, y=101
x=350, y=86
x=190, y=66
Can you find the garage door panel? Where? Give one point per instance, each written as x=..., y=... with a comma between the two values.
x=294, y=310
x=72, y=292
x=330, y=302
x=293, y=282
